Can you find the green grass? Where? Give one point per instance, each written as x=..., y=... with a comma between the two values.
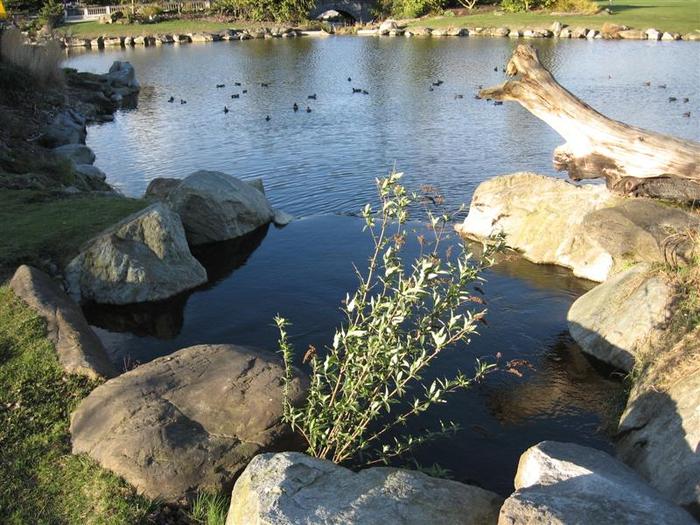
x=210, y=509
x=40, y=481
x=39, y=225
x=682, y=16
x=94, y=29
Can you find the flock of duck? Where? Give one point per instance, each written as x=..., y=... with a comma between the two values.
x=437, y=83
x=671, y=99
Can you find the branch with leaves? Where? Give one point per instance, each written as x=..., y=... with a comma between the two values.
x=369, y=383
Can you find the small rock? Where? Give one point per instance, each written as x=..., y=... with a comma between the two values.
x=282, y=218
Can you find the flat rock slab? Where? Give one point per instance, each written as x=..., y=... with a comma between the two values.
x=294, y=489
x=145, y=257
x=660, y=427
x=187, y=422
x=563, y=483
x=540, y=216
x=586, y=228
x=78, y=348
x=617, y=319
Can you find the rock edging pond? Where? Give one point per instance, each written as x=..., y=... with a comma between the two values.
x=625, y=320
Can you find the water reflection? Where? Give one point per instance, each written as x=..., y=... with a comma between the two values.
x=326, y=161
x=164, y=319
x=303, y=272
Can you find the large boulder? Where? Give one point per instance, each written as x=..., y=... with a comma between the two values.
x=187, y=422
x=294, y=489
x=540, y=217
x=618, y=319
x=586, y=228
x=77, y=153
x=122, y=74
x=217, y=207
x=660, y=427
x=563, y=483
x=144, y=257
x=78, y=348
x=67, y=127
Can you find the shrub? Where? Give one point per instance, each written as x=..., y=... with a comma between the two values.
x=150, y=12
x=575, y=6
x=209, y=509
x=398, y=321
x=51, y=14
x=415, y=8
x=41, y=62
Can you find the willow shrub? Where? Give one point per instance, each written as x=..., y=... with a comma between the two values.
x=369, y=382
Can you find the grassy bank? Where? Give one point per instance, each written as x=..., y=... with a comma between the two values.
x=39, y=225
x=95, y=29
x=40, y=481
x=682, y=16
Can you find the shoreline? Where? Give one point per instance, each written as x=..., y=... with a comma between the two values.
x=388, y=28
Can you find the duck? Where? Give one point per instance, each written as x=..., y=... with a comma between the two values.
x=438, y=83
x=308, y=109
x=295, y=107
x=365, y=92
x=431, y=88
x=219, y=86
x=267, y=118
x=171, y=99
x=226, y=110
x=264, y=84
x=349, y=79
x=686, y=114
x=312, y=97
x=183, y=101
x=662, y=86
x=672, y=99
x=459, y=96
x=477, y=97
x=357, y=90
x=235, y=95
x=497, y=103
x=244, y=91
x=647, y=83
x=236, y=83
x=686, y=100
x=495, y=68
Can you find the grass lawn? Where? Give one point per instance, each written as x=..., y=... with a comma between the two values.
x=94, y=29
x=40, y=481
x=682, y=16
x=39, y=225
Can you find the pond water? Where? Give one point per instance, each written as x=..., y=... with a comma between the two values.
x=321, y=166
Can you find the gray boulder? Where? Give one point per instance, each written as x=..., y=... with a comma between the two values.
x=563, y=483
x=78, y=348
x=616, y=320
x=122, y=74
x=294, y=489
x=659, y=432
x=68, y=127
x=78, y=153
x=144, y=257
x=187, y=422
x=91, y=172
x=217, y=207
x=159, y=188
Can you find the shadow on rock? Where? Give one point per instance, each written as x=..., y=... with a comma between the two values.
x=164, y=319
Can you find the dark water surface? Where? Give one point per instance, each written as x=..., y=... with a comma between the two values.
x=324, y=162
x=303, y=272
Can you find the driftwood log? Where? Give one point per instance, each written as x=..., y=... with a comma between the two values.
x=632, y=160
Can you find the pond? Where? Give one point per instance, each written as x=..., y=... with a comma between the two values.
x=321, y=167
